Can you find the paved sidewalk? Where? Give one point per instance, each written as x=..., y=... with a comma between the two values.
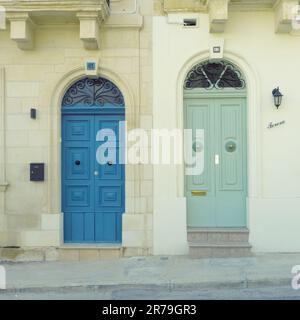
x=153, y=272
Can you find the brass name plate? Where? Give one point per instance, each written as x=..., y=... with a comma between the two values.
x=199, y=193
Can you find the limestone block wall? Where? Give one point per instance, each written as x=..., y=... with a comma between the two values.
x=30, y=214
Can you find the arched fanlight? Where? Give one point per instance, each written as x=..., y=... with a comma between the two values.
x=93, y=92
x=215, y=75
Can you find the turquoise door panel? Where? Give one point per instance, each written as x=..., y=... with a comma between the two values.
x=200, y=115
x=223, y=184
x=231, y=173
x=93, y=194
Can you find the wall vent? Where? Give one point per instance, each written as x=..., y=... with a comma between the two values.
x=190, y=23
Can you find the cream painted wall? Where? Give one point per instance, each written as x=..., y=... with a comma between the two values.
x=274, y=172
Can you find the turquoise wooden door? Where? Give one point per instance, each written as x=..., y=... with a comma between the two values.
x=217, y=197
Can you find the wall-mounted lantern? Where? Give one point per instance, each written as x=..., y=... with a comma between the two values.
x=277, y=95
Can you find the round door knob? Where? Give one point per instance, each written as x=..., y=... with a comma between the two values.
x=96, y=173
x=77, y=162
x=198, y=146
x=230, y=146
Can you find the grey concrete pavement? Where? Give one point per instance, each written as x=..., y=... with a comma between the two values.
x=261, y=293
x=151, y=274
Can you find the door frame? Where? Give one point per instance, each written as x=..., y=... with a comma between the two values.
x=54, y=197
x=253, y=87
x=93, y=113
x=199, y=94
x=115, y=109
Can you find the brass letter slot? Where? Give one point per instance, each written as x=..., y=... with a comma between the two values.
x=199, y=193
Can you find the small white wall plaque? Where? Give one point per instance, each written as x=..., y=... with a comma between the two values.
x=216, y=47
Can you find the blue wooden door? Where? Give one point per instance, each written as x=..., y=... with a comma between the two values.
x=109, y=183
x=217, y=197
x=93, y=194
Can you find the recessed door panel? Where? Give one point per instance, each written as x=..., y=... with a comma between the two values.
x=200, y=190
x=78, y=164
x=230, y=122
x=78, y=196
x=231, y=174
x=108, y=226
x=77, y=129
x=109, y=197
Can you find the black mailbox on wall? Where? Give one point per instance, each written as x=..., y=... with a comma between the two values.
x=37, y=171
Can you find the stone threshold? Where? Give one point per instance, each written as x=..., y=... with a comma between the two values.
x=219, y=230
x=89, y=253
x=90, y=246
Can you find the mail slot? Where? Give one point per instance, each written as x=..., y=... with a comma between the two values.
x=37, y=172
x=199, y=193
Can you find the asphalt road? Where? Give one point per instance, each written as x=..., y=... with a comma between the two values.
x=268, y=293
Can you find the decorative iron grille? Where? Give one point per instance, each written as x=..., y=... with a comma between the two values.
x=214, y=75
x=90, y=92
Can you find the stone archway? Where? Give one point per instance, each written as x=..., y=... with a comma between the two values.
x=54, y=169
x=215, y=103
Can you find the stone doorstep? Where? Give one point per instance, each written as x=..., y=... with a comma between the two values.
x=219, y=243
x=76, y=253
x=217, y=250
x=221, y=236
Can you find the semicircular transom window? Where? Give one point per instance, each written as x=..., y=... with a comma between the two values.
x=90, y=92
x=214, y=75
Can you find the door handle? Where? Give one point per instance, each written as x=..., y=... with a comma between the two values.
x=199, y=193
x=96, y=173
x=217, y=159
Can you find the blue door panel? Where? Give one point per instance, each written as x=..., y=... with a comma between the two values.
x=77, y=129
x=78, y=227
x=111, y=125
x=107, y=227
x=109, y=184
x=67, y=227
x=109, y=198
x=78, y=198
x=79, y=167
x=112, y=169
x=93, y=194
x=110, y=172
x=89, y=227
x=110, y=220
